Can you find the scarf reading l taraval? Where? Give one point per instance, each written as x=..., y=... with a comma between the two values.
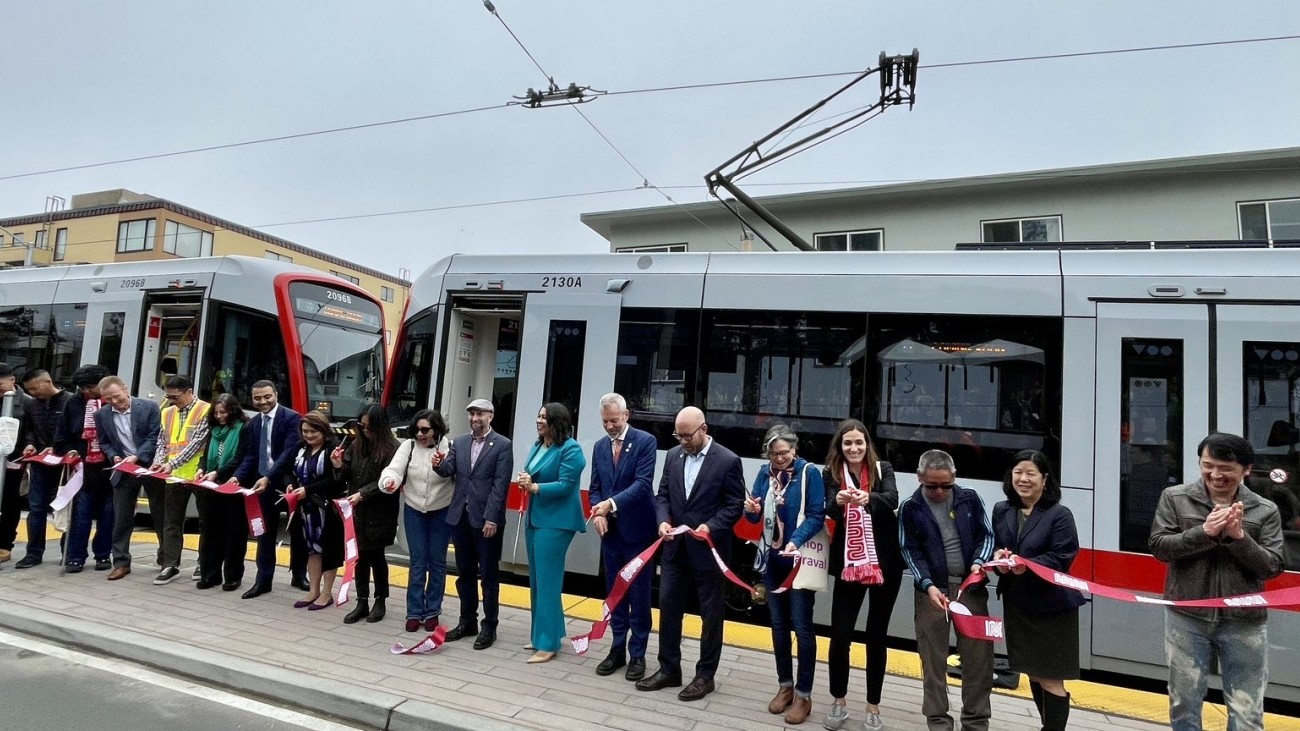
x=860, y=562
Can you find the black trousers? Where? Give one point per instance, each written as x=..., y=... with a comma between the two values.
x=223, y=537
x=11, y=508
x=372, y=561
x=846, y=604
x=478, y=559
x=266, y=544
x=675, y=579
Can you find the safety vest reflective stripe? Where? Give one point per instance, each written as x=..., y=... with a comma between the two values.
x=179, y=435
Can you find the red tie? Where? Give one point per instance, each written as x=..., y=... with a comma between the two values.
x=618, y=450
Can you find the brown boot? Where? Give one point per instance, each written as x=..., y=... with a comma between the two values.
x=784, y=695
x=799, y=710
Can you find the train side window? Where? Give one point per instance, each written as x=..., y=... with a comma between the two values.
x=67, y=333
x=802, y=369
x=980, y=388
x=408, y=391
x=655, y=369
x=1151, y=433
x=22, y=337
x=566, y=349
x=1271, y=390
x=110, y=340
x=239, y=349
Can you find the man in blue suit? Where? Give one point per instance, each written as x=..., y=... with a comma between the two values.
x=274, y=438
x=127, y=429
x=702, y=488
x=623, y=503
x=483, y=463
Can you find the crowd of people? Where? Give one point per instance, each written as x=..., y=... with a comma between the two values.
x=844, y=521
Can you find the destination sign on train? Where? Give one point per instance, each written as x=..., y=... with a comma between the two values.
x=324, y=303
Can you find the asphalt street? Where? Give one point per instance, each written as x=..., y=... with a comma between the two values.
x=46, y=686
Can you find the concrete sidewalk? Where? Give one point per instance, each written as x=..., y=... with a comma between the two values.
x=265, y=647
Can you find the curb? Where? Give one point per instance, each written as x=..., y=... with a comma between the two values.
x=371, y=709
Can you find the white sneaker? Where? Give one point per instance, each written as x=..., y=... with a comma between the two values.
x=872, y=722
x=166, y=576
x=836, y=715
x=198, y=574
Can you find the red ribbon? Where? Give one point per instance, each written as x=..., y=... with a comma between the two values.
x=990, y=628
x=51, y=460
x=253, y=511
x=428, y=644
x=626, y=575
x=345, y=508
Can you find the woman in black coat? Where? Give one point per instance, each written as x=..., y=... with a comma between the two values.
x=872, y=486
x=313, y=483
x=1042, y=619
x=375, y=518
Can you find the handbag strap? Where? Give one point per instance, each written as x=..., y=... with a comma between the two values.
x=410, y=443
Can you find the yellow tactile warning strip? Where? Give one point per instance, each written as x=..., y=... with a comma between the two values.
x=1091, y=696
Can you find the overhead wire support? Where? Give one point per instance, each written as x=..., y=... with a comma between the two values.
x=897, y=87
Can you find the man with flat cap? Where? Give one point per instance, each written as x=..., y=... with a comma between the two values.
x=483, y=463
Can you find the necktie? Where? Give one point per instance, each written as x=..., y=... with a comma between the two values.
x=618, y=451
x=266, y=441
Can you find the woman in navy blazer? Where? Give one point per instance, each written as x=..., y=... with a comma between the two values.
x=551, y=476
x=1042, y=619
x=778, y=499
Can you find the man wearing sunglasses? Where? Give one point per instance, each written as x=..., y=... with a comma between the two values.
x=945, y=534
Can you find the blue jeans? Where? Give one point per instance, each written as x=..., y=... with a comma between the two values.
x=43, y=485
x=427, y=536
x=93, y=504
x=791, y=609
x=1191, y=644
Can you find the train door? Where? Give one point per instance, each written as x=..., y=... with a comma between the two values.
x=1152, y=371
x=568, y=351
x=481, y=359
x=170, y=342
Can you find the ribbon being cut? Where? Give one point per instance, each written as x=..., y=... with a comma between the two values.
x=252, y=505
x=623, y=581
x=991, y=629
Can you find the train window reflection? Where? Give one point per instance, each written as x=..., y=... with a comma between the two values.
x=655, y=368
x=975, y=387
x=1271, y=374
x=412, y=369
x=343, y=367
x=240, y=349
x=803, y=369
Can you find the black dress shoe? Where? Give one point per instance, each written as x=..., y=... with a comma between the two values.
x=103, y=564
x=613, y=661
x=485, y=639
x=698, y=688
x=231, y=585
x=73, y=568
x=459, y=631
x=256, y=590
x=658, y=681
x=635, y=669
x=27, y=562
x=300, y=583
x=206, y=584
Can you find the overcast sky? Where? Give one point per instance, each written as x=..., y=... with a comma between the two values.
x=88, y=82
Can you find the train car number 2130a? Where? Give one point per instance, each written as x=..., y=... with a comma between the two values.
x=561, y=281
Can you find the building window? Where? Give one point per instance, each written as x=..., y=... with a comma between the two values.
x=665, y=249
x=348, y=277
x=1017, y=230
x=136, y=235
x=870, y=240
x=186, y=241
x=386, y=294
x=40, y=239
x=273, y=256
x=1271, y=220
x=60, y=244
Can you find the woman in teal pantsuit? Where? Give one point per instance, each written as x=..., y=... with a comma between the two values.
x=551, y=476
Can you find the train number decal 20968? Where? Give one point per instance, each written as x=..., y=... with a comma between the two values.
x=561, y=281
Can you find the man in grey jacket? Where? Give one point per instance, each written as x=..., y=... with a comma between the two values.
x=1219, y=539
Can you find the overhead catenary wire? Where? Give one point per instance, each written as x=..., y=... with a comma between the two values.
x=625, y=92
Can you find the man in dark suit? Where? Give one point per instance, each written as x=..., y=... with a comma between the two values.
x=128, y=432
x=623, y=506
x=483, y=463
x=703, y=487
x=274, y=437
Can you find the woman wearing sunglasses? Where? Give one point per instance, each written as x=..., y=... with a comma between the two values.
x=427, y=495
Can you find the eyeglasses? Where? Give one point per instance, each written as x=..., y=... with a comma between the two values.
x=781, y=455
x=172, y=396
x=423, y=429
x=687, y=437
x=931, y=486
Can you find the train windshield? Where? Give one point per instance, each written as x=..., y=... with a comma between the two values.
x=341, y=337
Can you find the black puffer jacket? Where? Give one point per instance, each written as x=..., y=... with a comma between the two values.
x=376, y=515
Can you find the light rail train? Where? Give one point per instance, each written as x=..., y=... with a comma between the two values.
x=225, y=322
x=1115, y=363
